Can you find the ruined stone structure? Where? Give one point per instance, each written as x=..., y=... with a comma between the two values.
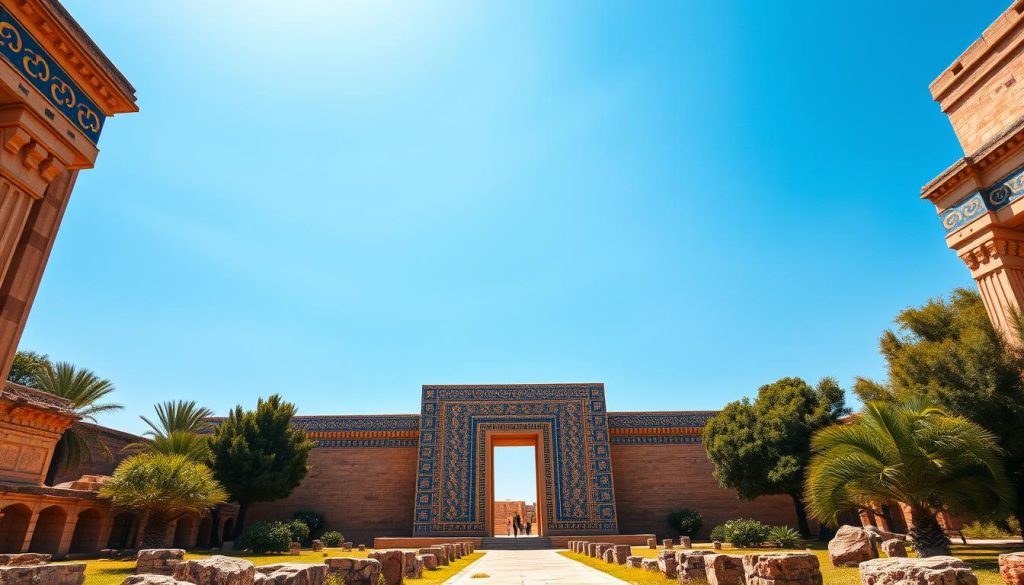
x=430, y=475
x=978, y=198
x=70, y=517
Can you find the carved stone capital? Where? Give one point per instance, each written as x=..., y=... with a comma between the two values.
x=992, y=250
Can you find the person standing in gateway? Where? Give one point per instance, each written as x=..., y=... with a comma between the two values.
x=517, y=524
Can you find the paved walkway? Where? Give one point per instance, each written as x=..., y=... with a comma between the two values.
x=531, y=567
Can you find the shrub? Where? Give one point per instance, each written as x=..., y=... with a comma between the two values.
x=742, y=532
x=264, y=537
x=686, y=521
x=332, y=538
x=299, y=530
x=315, y=520
x=992, y=530
x=783, y=536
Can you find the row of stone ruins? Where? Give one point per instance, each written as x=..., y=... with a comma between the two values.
x=690, y=566
x=169, y=567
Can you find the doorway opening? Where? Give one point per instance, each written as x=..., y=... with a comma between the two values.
x=514, y=492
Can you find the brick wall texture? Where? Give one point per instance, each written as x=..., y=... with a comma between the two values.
x=362, y=492
x=115, y=442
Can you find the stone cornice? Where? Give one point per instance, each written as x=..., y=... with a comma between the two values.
x=972, y=168
x=66, y=41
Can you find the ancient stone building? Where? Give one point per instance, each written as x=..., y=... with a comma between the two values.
x=978, y=197
x=431, y=474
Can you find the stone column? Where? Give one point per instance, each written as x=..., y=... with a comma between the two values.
x=67, y=535
x=996, y=260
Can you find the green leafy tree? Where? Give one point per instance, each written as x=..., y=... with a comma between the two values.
x=258, y=455
x=948, y=351
x=914, y=453
x=86, y=391
x=177, y=430
x=762, y=447
x=27, y=367
x=164, y=488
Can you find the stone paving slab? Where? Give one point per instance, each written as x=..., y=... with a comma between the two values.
x=531, y=567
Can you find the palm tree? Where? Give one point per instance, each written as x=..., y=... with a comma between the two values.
x=164, y=488
x=177, y=431
x=84, y=389
x=913, y=453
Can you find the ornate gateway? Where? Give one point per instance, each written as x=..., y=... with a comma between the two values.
x=460, y=425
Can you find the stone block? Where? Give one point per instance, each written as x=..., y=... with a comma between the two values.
x=216, y=570
x=608, y=555
x=438, y=551
x=652, y=544
x=851, y=546
x=22, y=559
x=939, y=570
x=600, y=548
x=650, y=565
x=691, y=567
x=620, y=553
x=412, y=566
x=295, y=548
x=362, y=547
x=354, y=571
x=318, y=545
x=667, y=543
x=292, y=574
x=634, y=562
x=667, y=563
x=1011, y=568
x=158, y=561
x=429, y=561
x=717, y=545
x=684, y=542
x=62, y=574
x=392, y=565
x=724, y=569
x=450, y=549
x=894, y=548
x=591, y=549
x=152, y=579
x=782, y=569
x=346, y=546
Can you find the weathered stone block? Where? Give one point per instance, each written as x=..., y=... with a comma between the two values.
x=152, y=579
x=650, y=565
x=667, y=563
x=652, y=544
x=439, y=552
x=392, y=565
x=691, y=567
x=158, y=561
x=782, y=569
x=927, y=571
x=22, y=559
x=851, y=546
x=667, y=543
x=412, y=566
x=346, y=546
x=608, y=555
x=894, y=548
x=295, y=548
x=362, y=547
x=634, y=562
x=354, y=571
x=63, y=574
x=292, y=574
x=591, y=549
x=216, y=570
x=724, y=569
x=1011, y=568
x=621, y=552
x=684, y=542
x=429, y=561
x=318, y=545
x=717, y=545
x=601, y=547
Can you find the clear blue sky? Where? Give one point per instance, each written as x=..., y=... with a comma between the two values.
x=341, y=201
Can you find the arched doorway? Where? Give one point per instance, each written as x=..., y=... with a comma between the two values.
x=86, y=538
x=14, y=527
x=49, y=528
x=203, y=536
x=228, y=533
x=183, y=532
x=123, y=531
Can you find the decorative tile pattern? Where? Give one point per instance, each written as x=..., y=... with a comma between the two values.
x=367, y=422
x=659, y=420
x=24, y=53
x=999, y=195
x=454, y=424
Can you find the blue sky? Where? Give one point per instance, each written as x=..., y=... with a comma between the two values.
x=341, y=201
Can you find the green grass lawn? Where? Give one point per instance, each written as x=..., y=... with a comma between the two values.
x=108, y=572
x=983, y=560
